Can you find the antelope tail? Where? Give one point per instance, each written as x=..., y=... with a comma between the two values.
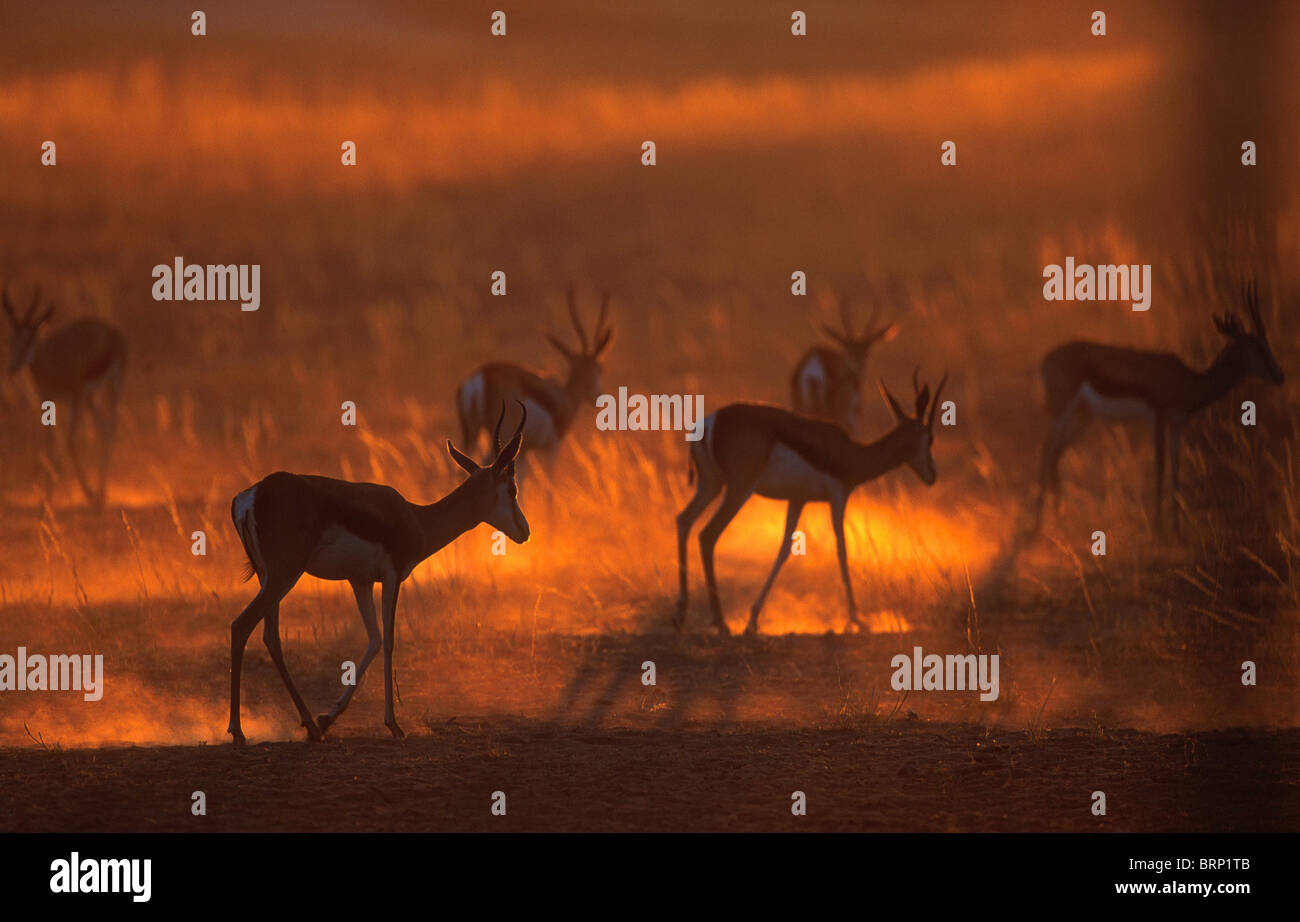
x=249, y=568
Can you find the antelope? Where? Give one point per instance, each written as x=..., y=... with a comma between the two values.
x=365, y=533
x=752, y=448
x=552, y=405
x=1085, y=379
x=827, y=382
x=70, y=367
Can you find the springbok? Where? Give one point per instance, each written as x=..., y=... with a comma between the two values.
x=365, y=533
x=1085, y=379
x=552, y=405
x=827, y=382
x=70, y=367
x=754, y=448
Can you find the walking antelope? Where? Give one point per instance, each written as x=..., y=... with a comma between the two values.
x=552, y=406
x=70, y=367
x=364, y=533
x=752, y=448
x=827, y=382
x=1085, y=379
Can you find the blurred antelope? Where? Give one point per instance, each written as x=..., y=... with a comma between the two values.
x=365, y=533
x=551, y=405
x=1085, y=379
x=751, y=448
x=827, y=382
x=71, y=366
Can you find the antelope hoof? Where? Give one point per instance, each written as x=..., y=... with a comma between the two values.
x=313, y=732
x=854, y=626
x=324, y=721
x=723, y=630
x=397, y=731
x=751, y=629
x=237, y=737
x=679, y=617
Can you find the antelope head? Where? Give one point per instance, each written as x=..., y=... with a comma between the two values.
x=584, y=365
x=1249, y=347
x=918, y=428
x=857, y=346
x=25, y=331
x=492, y=489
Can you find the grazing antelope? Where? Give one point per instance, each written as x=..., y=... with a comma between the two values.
x=752, y=448
x=71, y=366
x=552, y=406
x=827, y=382
x=364, y=533
x=1085, y=379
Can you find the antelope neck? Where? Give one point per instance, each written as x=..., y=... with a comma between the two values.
x=445, y=520
x=881, y=456
x=1220, y=377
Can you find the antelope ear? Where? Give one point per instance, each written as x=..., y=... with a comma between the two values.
x=563, y=349
x=467, y=464
x=1222, y=325
x=890, y=402
x=507, y=457
x=887, y=335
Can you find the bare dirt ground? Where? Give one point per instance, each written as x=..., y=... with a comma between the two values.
x=721, y=742
x=906, y=776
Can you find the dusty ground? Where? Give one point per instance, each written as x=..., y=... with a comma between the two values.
x=898, y=776
x=719, y=743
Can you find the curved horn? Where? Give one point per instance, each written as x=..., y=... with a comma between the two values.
x=523, y=418
x=929, y=423
x=867, y=331
x=496, y=433
x=846, y=318
x=505, y=460
x=1252, y=305
x=920, y=392
x=604, y=312
x=573, y=316
x=36, y=302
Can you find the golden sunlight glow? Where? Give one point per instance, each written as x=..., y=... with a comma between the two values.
x=231, y=134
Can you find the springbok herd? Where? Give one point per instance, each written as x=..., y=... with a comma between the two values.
x=365, y=533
